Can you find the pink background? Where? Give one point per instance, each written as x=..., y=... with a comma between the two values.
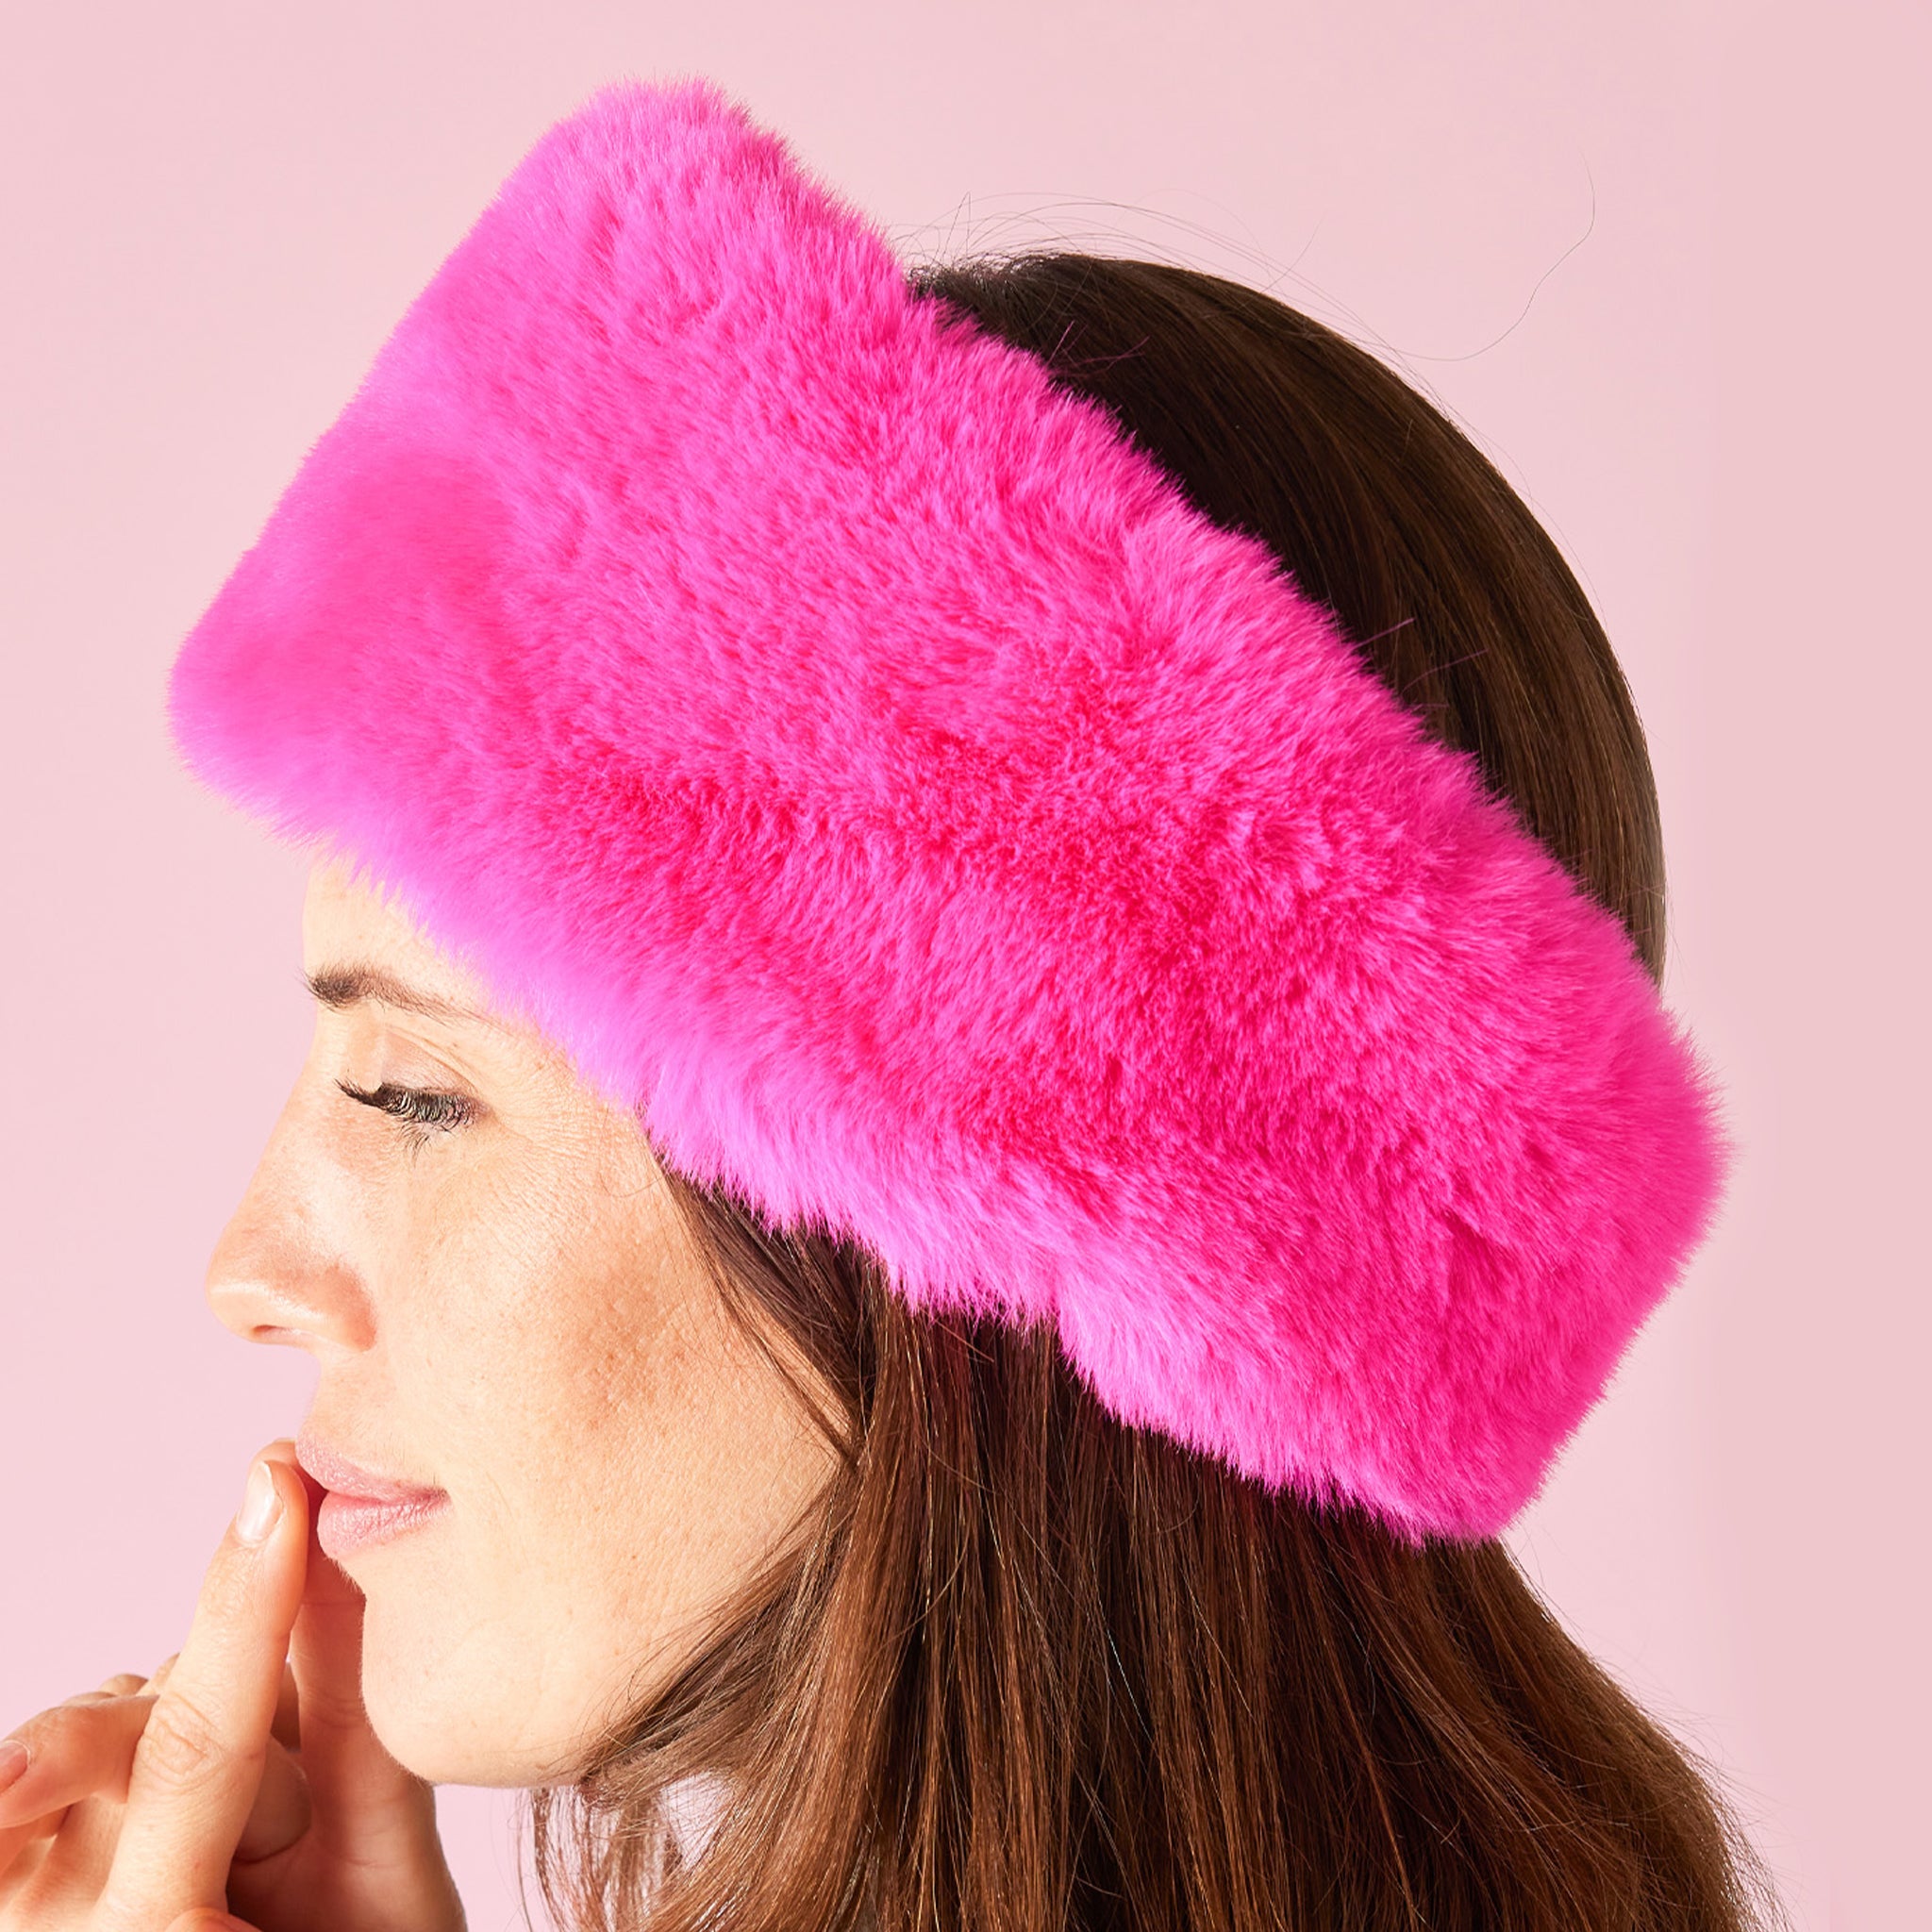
x=1664, y=261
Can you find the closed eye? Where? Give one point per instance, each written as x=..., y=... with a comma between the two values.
x=417, y=1107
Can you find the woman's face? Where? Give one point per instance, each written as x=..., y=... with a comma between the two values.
x=503, y=1307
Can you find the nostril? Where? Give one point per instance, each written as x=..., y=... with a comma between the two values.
x=290, y=1302
x=279, y=1338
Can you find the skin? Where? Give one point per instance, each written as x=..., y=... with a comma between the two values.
x=501, y=1305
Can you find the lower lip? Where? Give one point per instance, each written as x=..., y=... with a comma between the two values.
x=346, y=1524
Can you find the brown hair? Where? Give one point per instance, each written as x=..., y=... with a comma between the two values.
x=1026, y=1669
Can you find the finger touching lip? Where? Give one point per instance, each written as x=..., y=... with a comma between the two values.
x=358, y=1506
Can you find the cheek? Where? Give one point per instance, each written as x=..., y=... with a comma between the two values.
x=602, y=1412
x=541, y=1357
x=552, y=1314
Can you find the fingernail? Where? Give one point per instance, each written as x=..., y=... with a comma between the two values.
x=260, y=1506
x=14, y=1759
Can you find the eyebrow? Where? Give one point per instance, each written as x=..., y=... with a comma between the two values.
x=339, y=987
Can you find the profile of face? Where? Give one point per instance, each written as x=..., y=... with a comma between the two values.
x=481, y=1255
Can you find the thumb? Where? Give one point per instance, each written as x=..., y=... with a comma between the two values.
x=206, y=1919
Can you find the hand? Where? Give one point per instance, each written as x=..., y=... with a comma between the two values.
x=242, y=1776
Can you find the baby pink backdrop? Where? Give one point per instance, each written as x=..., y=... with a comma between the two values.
x=1664, y=261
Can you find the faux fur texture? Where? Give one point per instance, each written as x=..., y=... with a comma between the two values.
x=867, y=763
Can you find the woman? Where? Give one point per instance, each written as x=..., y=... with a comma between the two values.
x=986, y=1091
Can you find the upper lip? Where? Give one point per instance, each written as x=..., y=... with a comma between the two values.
x=334, y=1471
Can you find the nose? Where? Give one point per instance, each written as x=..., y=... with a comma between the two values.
x=283, y=1271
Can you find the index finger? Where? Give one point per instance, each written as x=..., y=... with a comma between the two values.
x=199, y=1763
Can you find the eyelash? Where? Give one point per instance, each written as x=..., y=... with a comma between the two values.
x=415, y=1106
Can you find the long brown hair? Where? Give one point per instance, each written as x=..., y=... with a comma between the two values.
x=1026, y=1669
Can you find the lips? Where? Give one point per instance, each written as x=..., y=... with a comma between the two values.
x=359, y=1507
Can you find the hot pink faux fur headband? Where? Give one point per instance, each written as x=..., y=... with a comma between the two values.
x=868, y=763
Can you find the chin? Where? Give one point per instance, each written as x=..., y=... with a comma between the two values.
x=431, y=1717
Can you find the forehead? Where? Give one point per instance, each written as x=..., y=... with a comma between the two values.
x=347, y=922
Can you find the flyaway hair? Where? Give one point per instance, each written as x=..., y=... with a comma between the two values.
x=862, y=758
